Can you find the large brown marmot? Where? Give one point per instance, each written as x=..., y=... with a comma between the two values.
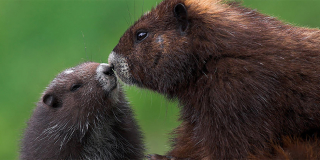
x=244, y=80
x=83, y=114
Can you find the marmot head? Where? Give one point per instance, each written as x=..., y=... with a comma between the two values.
x=76, y=94
x=156, y=51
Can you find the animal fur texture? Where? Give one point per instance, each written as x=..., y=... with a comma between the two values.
x=83, y=114
x=244, y=80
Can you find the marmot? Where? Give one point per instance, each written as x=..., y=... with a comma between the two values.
x=244, y=80
x=83, y=114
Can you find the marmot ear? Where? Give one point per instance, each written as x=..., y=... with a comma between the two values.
x=51, y=101
x=181, y=13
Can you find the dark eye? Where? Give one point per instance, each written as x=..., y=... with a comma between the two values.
x=75, y=87
x=51, y=101
x=141, y=35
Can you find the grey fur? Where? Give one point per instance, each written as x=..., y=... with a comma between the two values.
x=93, y=122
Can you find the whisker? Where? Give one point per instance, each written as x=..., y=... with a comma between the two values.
x=142, y=7
x=126, y=20
x=129, y=12
x=85, y=47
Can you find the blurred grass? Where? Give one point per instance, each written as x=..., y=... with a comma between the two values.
x=40, y=38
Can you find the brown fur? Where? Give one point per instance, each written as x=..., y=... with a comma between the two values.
x=243, y=79
x=293, y=148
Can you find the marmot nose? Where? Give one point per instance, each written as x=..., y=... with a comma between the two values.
x=107, y=69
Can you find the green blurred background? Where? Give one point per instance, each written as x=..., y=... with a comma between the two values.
x=40, y=38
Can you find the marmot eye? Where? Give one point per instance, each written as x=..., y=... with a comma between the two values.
x=141, y=35
x=75, y=87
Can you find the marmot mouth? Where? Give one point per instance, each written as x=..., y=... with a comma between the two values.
x=121, y=68
x=106, y=77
